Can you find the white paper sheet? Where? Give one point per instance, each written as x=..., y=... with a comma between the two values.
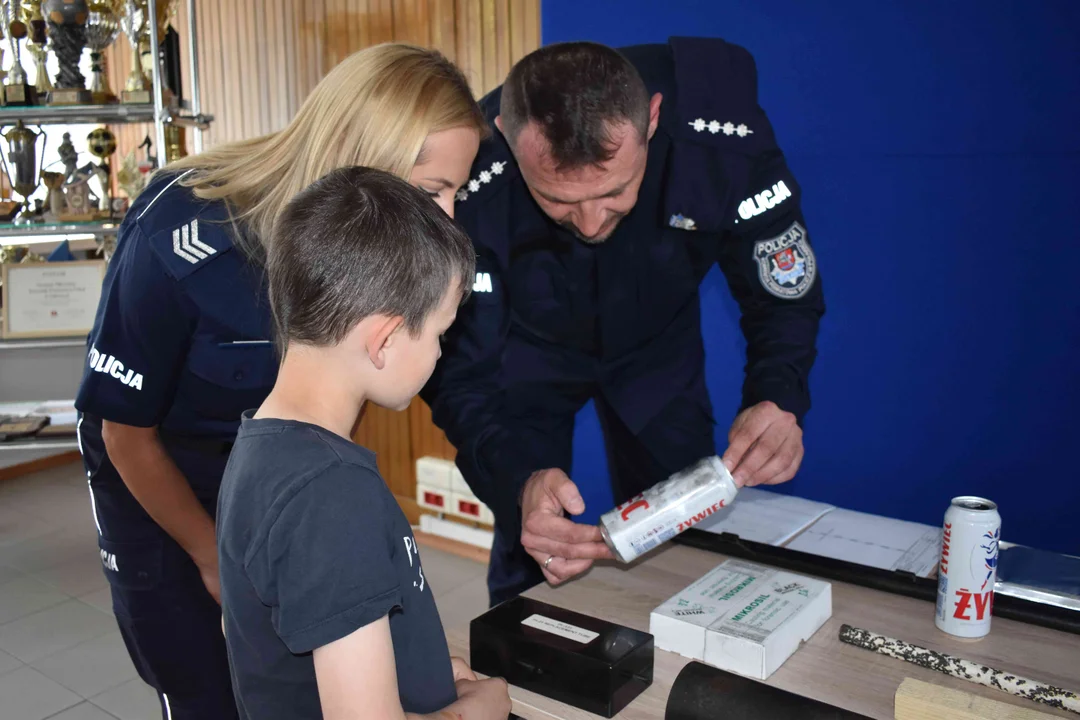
x=873, y=540
x=60, y=412
x=765, y=517
x=18, y=408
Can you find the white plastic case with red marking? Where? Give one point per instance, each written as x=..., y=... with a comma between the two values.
x=667, y=509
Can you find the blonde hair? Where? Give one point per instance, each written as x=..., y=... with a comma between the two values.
x=374, y=109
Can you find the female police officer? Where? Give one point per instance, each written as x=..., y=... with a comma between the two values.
x=181, y=344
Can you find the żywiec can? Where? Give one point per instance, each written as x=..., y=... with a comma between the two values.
x=968, y=567
x=665, y=510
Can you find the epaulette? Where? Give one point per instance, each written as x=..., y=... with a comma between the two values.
x=494, y=163
x=493, y=167
x=717, y=102
x=185, y=233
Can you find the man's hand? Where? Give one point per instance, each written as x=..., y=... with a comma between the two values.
x=764, y=446
x=546, y=533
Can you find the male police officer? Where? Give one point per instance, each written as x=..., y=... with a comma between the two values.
x=615, y=182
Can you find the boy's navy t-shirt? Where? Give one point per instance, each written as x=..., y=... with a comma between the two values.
x=312, y=546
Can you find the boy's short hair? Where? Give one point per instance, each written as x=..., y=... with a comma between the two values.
x=360, y=242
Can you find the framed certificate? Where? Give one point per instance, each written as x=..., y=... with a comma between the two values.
x=57, y=299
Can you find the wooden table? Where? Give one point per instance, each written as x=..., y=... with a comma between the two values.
x=823, y=668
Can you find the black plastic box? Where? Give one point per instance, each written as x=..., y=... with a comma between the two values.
x=576, y=659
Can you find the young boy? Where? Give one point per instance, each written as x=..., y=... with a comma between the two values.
x=327, y=612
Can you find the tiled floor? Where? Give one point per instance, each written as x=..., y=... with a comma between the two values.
x=61, y=656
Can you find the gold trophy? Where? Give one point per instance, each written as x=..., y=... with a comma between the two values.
x=133, y=21
x=38, y=46
x=21, y=163
x=166, y=10
x=16, y=89
x=175, y=144
x=67, y=29
x=133, y=173
x=128, y=176
x=102, y=27
x=55, y=201
x=102, y=144
x=3, y=72
x=18, y=253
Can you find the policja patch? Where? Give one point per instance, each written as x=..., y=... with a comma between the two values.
x=786, y=263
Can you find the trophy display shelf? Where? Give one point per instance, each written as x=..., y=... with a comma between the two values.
x=37, y=443
x=72, y=114
x=112, y=114
x=39, y=344
x=48, y=230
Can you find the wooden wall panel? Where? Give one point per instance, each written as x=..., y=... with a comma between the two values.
x=426, y=438
x=387, y=433
x=442, y=27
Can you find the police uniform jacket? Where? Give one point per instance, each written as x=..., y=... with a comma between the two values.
x=181, y=339
x=549, y=312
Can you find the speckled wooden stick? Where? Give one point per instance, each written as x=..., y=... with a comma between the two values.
x=965, y=669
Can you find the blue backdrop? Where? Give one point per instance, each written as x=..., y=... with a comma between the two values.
x=938, y=147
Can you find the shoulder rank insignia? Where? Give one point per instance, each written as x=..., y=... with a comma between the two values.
x=186, y=244
x=714, y=126
x=483, y=178
x=683, y=223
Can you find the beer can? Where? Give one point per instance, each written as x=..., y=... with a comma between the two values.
x=968, y=567
x=667, y=509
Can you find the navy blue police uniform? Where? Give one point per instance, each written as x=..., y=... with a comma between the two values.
x=181, y=342
x=553, y=321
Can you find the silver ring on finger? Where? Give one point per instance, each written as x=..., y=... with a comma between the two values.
x=548, y=561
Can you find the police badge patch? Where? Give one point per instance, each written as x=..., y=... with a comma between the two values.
x=786, y=264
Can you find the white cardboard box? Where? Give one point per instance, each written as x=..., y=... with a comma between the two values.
x=467, y=506
x=433, y=498
x=744, y=618
x=434, y=472
x=457, y=482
